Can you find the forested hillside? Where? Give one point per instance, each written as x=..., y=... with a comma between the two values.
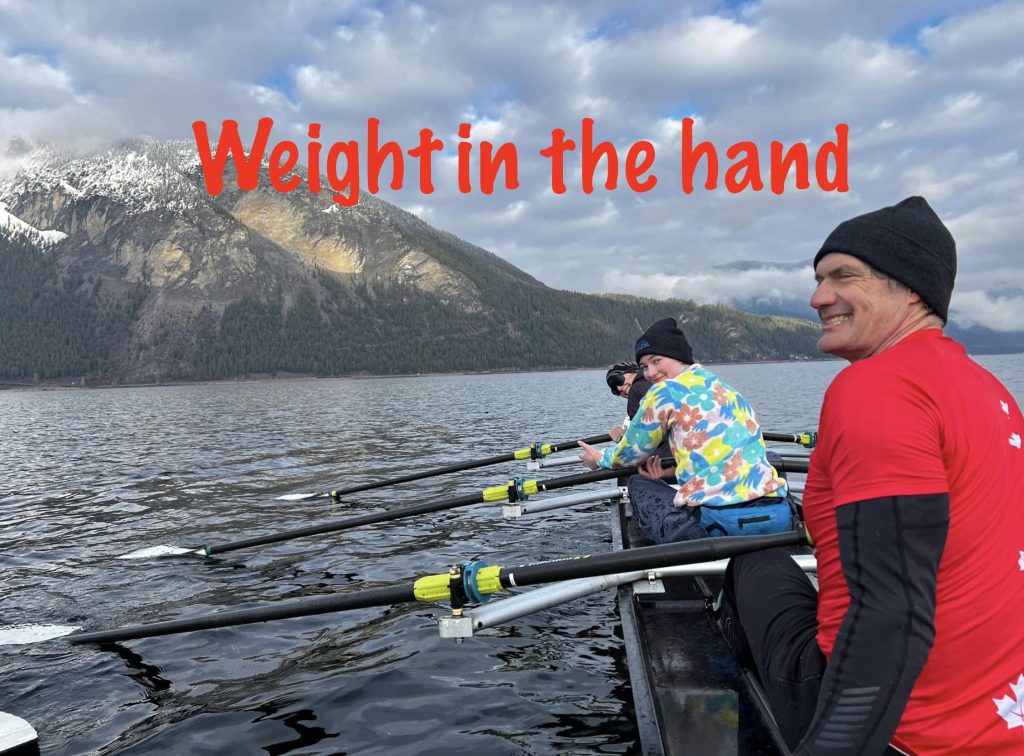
x=121, y=268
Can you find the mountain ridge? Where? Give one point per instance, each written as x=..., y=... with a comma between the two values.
x=169, y=283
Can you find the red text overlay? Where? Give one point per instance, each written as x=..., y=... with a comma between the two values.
x=480, y=166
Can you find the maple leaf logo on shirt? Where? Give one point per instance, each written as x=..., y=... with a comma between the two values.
x=1012, y=708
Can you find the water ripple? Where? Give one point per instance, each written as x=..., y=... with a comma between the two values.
x=93, y=474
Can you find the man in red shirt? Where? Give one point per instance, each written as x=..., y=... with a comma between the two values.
x=915, y=502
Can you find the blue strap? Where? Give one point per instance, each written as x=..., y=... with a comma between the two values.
x=516, y=491
x=469, y=573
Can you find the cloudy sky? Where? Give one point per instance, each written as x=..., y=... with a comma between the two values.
x=931, y=92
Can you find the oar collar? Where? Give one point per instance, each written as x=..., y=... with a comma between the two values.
x=463, y=584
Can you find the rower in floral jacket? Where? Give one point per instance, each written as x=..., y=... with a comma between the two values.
x=727, y=486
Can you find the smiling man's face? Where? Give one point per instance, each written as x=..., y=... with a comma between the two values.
x=861, y=313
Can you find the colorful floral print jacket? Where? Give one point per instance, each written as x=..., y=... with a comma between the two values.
x=714, y=436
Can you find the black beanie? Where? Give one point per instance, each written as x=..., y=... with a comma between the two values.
x=665, y=339
x=616, y=375
x=906, y=242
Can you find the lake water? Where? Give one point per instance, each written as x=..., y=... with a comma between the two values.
x=91, y=474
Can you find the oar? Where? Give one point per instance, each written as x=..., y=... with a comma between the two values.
x=808, y=439
x=534, y=451
x=555, y=594
x=792, y=465
x=513, y=491
x=471, y=583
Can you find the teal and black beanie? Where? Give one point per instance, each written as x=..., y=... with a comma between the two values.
x=664, y=338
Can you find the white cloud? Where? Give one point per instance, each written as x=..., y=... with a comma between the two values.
x=720, y=286
x=28, y=82
x=927, y=181
x=318, y=86
x=514, y=212
x=423, y=212
x=1000, y=313
x=712, y=42
x=930, y=91
x=493, y=130
x=270, y=98
x=657, y=285
x=961, y=104
x=980, y=36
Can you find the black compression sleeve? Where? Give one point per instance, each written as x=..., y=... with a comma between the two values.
x=890, y=550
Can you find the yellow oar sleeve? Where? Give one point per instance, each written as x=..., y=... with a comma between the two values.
x=543, y=450
x=432, y=588
x=501, y=493
x=488, y=580
x=497, y=493
x=435, y=587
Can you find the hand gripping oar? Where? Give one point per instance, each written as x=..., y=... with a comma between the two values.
x=513, y=491
x=471, y=583
x=533, y=451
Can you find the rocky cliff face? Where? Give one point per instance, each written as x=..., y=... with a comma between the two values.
x=262, y=281
x=141, y=212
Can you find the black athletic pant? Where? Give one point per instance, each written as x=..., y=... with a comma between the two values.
x=769, y=613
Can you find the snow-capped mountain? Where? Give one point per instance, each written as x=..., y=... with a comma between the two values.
x=168, y=281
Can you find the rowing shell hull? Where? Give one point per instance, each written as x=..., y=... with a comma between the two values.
x=690, y=695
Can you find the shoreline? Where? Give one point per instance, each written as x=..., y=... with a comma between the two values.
x=67, y=385
x=57, y=384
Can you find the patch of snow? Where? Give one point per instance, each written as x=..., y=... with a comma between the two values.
x=70, y=189
x=12, y=223
x=142, y=175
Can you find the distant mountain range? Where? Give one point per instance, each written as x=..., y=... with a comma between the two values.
x=977, y=339
x=121, y=268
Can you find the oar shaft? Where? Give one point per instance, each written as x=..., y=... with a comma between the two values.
x=302, y=608
x=528, y=602
x=588, y=477
x=646, y=558
x=565, y=445
x=437, y=587
x=804, y=439
x=785, y=465
x=791, y=465
x=387, y=515
x=460, y=466
x=346, y=523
